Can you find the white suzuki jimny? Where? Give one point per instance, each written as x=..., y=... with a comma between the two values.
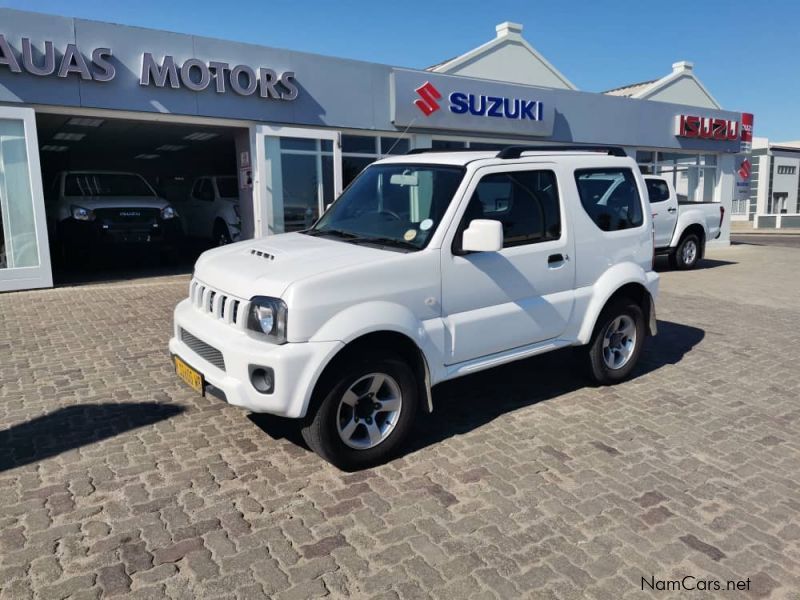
x=429, y=266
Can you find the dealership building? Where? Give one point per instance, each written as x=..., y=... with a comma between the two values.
x=295, y=128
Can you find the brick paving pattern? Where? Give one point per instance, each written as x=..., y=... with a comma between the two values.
x=116, y=480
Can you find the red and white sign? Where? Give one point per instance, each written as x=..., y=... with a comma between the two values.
x=706, y=128
x=747, y=132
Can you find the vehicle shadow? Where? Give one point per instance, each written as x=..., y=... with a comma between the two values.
x=469, y=402
x=73, y=427
x=662, y=264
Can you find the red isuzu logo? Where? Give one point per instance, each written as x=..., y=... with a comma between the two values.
x=428, y=96
x=706, y=128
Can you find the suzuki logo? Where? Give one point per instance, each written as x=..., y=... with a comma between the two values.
x=428, y=97
x=744, y=170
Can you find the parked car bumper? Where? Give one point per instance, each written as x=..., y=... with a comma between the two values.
x=88, y=234
x=296, y=366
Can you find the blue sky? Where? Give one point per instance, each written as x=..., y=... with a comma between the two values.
x=746, y=53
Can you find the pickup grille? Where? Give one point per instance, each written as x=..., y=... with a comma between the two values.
x=127, y=218
x=205, y=351
x=218, y=304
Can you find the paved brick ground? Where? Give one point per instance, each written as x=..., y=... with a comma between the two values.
x=115, y=479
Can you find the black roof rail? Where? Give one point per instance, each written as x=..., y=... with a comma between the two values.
x=516, y=151
x=507, y=152
x=427, y=150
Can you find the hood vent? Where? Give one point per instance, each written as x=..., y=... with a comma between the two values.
x=262, y=254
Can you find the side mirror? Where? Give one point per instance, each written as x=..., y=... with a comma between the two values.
x=483, y=235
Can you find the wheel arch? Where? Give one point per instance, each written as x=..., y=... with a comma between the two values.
x=369, y=343
x=700, y=232
x=631, y=283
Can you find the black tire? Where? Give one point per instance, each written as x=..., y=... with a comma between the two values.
x=599, y=369
x=222, y=236
x=320, y=429
x=687, y=254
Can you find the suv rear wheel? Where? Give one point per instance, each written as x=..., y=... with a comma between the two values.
x=616, y=342
x=364, y=414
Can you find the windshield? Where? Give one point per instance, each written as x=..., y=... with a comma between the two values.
x=394, y=205
x=226, y=186
x=106, y=184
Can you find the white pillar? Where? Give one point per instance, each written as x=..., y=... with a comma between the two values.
x=726, y=188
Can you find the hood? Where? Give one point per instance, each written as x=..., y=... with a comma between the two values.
x=93, y=202
x=267, y=266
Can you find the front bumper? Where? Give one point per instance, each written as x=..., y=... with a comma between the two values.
x=297, y=366
x=93, y=234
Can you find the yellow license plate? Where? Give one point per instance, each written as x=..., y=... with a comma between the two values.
x=191, y=377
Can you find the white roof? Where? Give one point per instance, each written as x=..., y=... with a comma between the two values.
x=448, y=157
x=529, y=66
x=657, y=89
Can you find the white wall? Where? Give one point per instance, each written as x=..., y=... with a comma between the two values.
x=786, y=182
x=511, y=62
x=683, y=90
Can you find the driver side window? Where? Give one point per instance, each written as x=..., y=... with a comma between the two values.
x=525, y=202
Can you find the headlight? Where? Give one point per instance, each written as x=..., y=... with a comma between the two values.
x=168, y=213
x=268, y=316
x=82, y=214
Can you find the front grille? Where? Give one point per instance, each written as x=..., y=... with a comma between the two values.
x=203, y=350
x=217, y=304
x=127, y=217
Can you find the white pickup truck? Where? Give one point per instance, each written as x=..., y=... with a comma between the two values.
x=681, y=228
x=429, y=266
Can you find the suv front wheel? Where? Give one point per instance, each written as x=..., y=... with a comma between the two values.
x=616, y=342
x=364, y=414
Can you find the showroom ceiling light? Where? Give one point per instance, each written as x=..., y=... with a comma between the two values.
x=146, y=156
x=85, y=122
x=170, y=148
x=200, y=136
x=54, y=148
x=69, y=137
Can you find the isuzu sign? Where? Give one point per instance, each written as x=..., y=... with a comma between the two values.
x=707, y=128
x=193, y=74
x=442, y=102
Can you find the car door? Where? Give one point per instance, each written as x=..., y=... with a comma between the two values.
x=522, y=294
x=664, y=208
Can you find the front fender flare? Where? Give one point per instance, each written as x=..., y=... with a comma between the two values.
x=375, y=316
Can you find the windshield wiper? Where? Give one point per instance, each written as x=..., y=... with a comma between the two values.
x=385, y=241
x=335, y=232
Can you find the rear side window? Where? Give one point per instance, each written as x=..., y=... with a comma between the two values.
x=657, y=189
x=525, y=202
x=610, y=197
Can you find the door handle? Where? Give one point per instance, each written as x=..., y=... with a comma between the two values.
x=554, y=259
x=672, y=210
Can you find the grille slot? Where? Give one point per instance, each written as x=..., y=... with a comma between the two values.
x=217, y=305
x=203, y=350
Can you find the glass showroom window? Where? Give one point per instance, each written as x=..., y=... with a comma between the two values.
x=693, y=175
x=358, y=151
x=306, y=175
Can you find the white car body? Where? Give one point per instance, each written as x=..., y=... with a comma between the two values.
x=464, y=313
x=209, y=212
x=672, y=218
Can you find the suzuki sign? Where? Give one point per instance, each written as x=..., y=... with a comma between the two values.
x=442, y=102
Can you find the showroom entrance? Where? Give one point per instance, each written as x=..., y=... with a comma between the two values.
x=130, y=197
